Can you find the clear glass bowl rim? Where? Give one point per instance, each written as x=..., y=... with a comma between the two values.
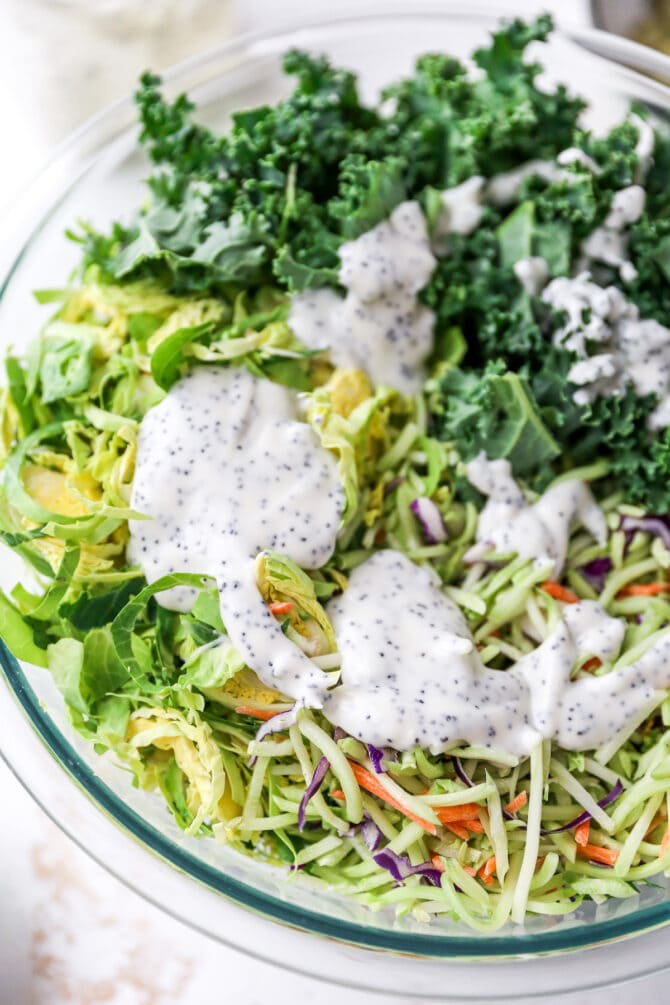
x=33, y=209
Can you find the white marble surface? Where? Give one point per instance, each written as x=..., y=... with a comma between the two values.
x=70, y=934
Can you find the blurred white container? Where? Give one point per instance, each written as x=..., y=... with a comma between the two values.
x=66, y=59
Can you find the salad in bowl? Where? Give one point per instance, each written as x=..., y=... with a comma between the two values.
x=342, y=468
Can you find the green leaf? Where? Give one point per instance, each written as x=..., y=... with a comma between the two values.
x=66, y=662
x=495, y=413
x=300, y=276
x=102, y=671
x=129, y=647
x=18, y=635
x=65, y=369
x=515, y=234
x=168, y=356
x=95, y=607
x=213, y=666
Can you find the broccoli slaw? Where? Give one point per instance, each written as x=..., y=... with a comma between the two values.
x=191, y=428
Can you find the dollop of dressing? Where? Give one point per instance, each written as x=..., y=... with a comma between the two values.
x=510, y=524
x=503, y=188
x=631, y=351
x=462, y=210
x=380, y=326
x=225, y=470
x=609, y=243
x=412, y=675
x=532, y=273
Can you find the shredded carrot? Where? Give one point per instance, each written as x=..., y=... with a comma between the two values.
x=644, y=590
x=496, y=633
x=517, y=803
x=540, y=862
x=470, y=871
x=658, y=819
x=559, y=592
x=664, y=844
x=457, y=814
x=475, y=826
x=367, y=781
x=280, y=606
x=257, y=713
x=488, y=868
x=459, y=831
x=337, y=794
x=592, y=664
x=438, y=863
x=582, y=833
x=486, y=880
x=607, y=856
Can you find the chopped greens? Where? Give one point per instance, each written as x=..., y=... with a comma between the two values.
x=203, y=273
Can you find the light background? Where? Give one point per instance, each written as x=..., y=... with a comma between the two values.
x=70, y=934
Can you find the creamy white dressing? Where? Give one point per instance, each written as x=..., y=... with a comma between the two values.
x=574, y=155
x=631, y=351
x=532, y=273
x=503, y=188
x=380, y=326
x=609, y=243
x=225, y=470
x=509, y=524
x=412, y=675
x=463, y=206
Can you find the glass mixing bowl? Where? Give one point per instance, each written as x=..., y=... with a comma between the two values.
x=97, y=176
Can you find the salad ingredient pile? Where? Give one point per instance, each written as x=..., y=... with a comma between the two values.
x=343, y=470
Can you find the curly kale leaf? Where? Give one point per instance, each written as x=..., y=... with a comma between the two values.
x=496, y=413
x=288, y=183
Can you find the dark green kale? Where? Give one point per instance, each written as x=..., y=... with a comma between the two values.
x=273, y=199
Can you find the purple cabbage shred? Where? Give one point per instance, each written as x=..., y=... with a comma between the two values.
x=311, y=790
x=656, y=525
x=376, y=756
x=430, y=518
x=583, y=817
x=400, y=867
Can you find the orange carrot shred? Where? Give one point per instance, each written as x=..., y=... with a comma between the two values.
x=459, y=831
x=559, y=592
x=643, y=590
x=582, y=833
x=458, y=814
x=592, y=664
x=475, y=826
x=607, y=856
x=469, y=870
x=664, y=844
x=280, y=606
x=489, y=867
x=256, y=713
x=337, y=794
x=367, y=781
x=517, y=803
x=438, y=863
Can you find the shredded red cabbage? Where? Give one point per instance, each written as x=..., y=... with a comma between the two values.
x=461, y=773
x=583, y=817
x=339, y=733
x=376, y=757
x=370, y=833
x=595, y=572
x=430, y=518
x=312, y=789
x=400, y=867
x=282, y=720
x=656, y=525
